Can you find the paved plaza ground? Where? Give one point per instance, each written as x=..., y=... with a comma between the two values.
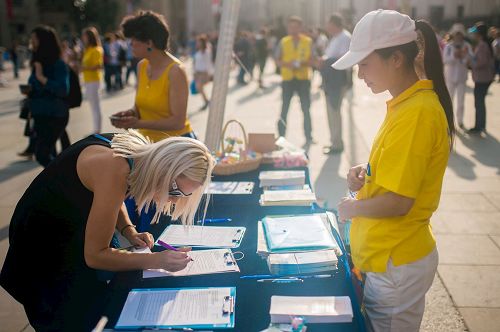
x=466, y=291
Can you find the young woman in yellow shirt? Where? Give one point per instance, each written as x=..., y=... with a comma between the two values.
x=160, y=104
x=92, y=64
x=399, y=188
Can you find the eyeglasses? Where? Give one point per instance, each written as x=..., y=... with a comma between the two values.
x=176, y=192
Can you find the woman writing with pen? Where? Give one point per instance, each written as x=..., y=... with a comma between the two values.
x=61, y=232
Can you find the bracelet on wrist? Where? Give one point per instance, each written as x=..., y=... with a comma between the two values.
x=125, y=227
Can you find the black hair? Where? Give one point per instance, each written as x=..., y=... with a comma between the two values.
x=433, y=65
x=482, y=31
x=146, y=26
x=337, y=20
x=49, y=47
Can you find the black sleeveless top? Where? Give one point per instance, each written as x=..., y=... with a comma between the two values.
x=45, y=267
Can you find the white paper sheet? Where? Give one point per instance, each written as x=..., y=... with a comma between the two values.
x=174, y=307
x=203, y=236
x=204, y=262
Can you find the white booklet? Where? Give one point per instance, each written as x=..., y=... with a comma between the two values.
x=301, y=197
x=178, y=308
x=282, y=178
x=320, y=257
x=203, y=236
x=203, y=262
x=230, y=188
x=314, y=309
x=302, y=262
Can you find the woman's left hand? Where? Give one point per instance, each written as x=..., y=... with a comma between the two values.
x=346, y=209
x=39, y=73
x=141, y=239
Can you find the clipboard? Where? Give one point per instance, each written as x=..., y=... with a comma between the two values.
x=289, y=237
x=198, y=236
x=227, y=307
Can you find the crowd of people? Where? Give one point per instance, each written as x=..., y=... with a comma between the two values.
x=126, y=181
x=296, y=51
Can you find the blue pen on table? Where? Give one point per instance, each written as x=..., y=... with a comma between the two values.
x=215, y=220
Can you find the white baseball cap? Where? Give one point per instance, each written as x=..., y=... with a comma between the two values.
x=377, y=29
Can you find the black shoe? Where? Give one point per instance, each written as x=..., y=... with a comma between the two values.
x=26, y=154
x=461, y=126
x=475, y=130
x=332, y=150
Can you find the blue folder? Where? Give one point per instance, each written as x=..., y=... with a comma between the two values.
x=298, y=233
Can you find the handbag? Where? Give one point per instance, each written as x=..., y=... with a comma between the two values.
x=25, y=109
x=28, y=131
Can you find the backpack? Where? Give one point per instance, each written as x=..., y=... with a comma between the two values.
x=74, y=98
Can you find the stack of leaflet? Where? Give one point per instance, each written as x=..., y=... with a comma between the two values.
x=314, y=309
x=282, y=178
x=283, y=197
x=302, y=262
x=298, y=244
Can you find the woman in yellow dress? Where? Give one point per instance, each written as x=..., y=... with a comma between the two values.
x=160, y=104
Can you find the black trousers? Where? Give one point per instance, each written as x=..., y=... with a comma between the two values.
x=303, y=89
x=48, y=130
x=480, y=92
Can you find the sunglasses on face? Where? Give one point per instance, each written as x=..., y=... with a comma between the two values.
x=176, y=192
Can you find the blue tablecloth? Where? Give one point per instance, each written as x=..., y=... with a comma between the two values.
x=252, y=298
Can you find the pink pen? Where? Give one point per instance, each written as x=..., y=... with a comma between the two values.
x=166, y=245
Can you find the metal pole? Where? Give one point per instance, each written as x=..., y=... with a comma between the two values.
x=227, y=31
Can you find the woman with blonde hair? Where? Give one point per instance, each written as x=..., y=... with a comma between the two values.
x=73, y=208
x=92, y=64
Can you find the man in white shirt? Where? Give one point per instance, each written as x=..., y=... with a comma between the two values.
x=456, y=54
x=335, y=82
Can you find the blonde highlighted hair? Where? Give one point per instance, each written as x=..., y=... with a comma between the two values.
x=157, y=165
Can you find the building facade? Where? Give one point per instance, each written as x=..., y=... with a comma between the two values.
x=185, y=17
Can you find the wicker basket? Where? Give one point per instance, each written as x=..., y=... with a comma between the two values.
x=244, y=165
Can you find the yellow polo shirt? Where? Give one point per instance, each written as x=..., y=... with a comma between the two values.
x=408, y=157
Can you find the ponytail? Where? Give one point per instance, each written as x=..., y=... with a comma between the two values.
x=433, y=65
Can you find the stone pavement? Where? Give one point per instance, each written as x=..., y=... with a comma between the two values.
x=465, y=293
